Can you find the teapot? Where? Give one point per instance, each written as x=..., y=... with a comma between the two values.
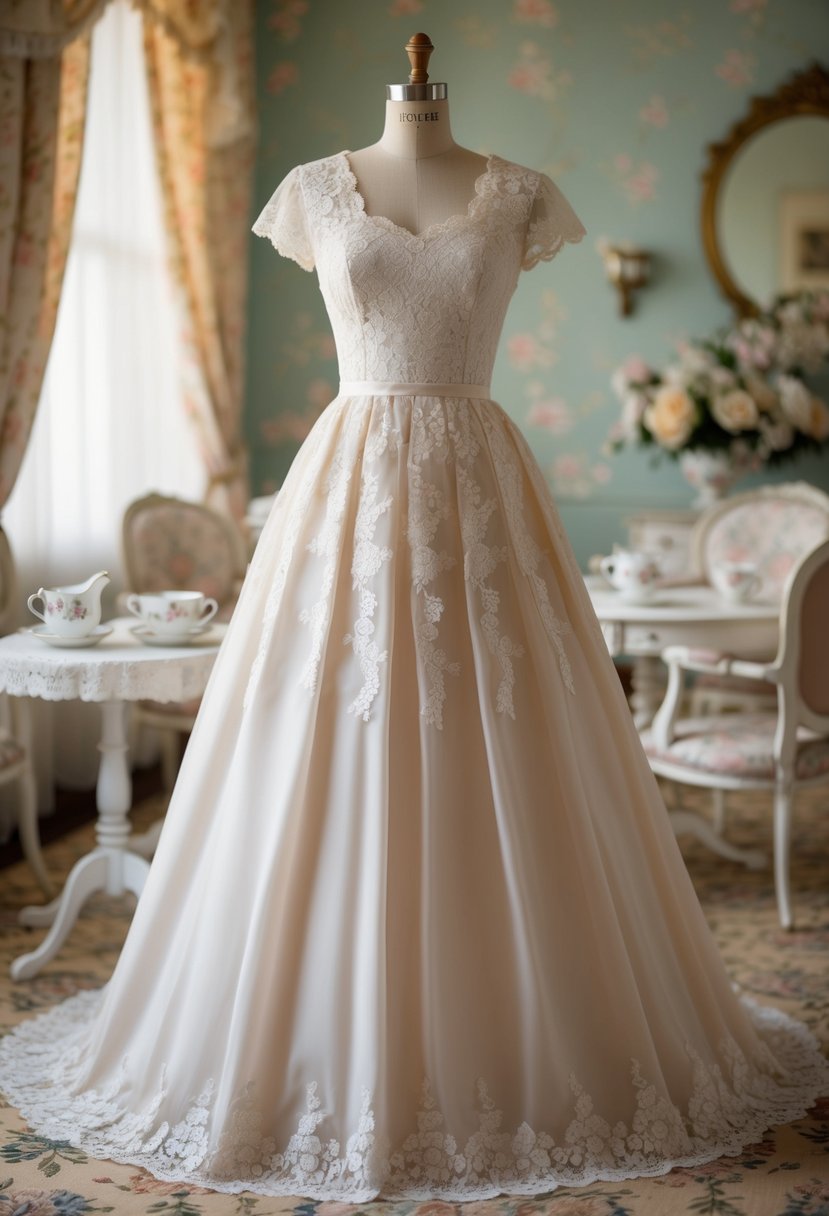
x=633, y=574
x=74, y=610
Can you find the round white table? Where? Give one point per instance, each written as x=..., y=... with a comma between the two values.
x=695, y=616
x=119, y=669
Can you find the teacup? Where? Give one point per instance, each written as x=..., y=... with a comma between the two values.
x=634, y=574
x=73, y=611
x=735, y=581
x=173, y=612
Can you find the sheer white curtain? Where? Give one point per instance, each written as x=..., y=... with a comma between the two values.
x=111, y=422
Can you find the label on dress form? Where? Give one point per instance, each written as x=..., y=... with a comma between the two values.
x=429, y=116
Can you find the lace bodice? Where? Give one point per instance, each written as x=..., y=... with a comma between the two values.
x=425, y=308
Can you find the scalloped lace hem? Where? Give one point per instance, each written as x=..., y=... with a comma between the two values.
x=724, y=1115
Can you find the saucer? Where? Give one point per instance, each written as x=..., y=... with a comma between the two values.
x=66, y=640
x=150, y=638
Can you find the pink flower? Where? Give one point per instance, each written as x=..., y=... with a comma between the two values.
x=282, y=77
x=736, y=69
x=30, y=1203
x=525, y=352
x=528, y=78
x=144, y=1184
x=287, y=21
x=535, y=12
x=319, y=392
x=553, y=416
x=636, y=368
x=567, y=466
x=655, y=113
x=641, y=186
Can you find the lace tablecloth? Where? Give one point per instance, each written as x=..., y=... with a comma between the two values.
x=120, y=668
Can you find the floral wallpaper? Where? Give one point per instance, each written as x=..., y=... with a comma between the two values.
x=616, y=100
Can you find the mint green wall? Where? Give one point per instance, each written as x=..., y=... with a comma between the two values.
x=616, y=100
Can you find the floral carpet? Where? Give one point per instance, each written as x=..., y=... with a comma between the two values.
x=785, y=1174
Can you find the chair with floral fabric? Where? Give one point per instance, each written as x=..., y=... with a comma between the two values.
x=781, y=749
x=771, y=527
x=171, y=543
x=15, y=756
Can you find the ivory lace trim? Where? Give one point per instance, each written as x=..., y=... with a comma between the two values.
x=730, y=1107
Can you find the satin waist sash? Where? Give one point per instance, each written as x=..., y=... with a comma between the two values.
x=392, y=388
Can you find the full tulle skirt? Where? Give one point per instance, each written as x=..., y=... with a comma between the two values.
x=417, y=924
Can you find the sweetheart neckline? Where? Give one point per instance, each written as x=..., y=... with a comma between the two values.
x=383, y=221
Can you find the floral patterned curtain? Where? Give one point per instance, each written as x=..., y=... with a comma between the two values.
x=200, y=76
x=203, y=119
x=42, y=106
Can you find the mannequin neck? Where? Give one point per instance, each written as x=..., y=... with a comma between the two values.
x=416, y=129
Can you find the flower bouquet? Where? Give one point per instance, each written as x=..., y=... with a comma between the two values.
x=736, y=401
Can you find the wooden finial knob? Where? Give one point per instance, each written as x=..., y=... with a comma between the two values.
x=419, y=48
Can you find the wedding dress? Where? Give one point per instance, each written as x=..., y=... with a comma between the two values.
x=417, y=924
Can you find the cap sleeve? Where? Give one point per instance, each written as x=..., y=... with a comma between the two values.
x=284, y=222
x=552, y=222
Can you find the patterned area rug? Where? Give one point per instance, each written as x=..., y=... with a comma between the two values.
x=786, y=1174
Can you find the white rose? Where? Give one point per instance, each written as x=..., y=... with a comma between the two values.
x=735, y=411
x=762, y=392
x=797, y=402
x=634, y=370
x=633, y=407
x=778, y=434
x=677, y=375
x=671, y=417
x=695, y=360
x=723, y=378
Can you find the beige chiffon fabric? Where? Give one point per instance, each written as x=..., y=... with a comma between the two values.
x=417, y=924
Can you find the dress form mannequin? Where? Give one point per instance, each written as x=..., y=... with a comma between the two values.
x=416, y=175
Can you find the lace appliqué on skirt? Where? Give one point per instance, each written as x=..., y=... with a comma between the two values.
x=447, y=475
x=730, y=1106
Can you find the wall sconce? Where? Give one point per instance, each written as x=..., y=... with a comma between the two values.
x=627, y=268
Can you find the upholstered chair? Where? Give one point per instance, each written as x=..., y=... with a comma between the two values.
x=782, y=749
x=772, y=527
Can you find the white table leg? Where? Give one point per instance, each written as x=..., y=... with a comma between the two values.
x=110, y=866
x=648, y=682
x=695, y=825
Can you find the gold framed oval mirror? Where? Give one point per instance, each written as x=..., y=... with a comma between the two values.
x=765, y=196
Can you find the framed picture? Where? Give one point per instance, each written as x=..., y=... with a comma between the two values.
x=804, y=239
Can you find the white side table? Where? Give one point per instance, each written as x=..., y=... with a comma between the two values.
x=677, y=616
x=685, y=616
x=117, y=670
